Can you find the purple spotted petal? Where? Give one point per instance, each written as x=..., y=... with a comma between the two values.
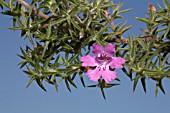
x=88, y=61
x=94, y=75
x=108, y=75
x=109, y=49
x=117, y=62
x=97, y=49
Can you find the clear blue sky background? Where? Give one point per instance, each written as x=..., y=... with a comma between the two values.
x=15, y=98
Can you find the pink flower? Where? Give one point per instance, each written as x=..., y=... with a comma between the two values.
x=101, y=61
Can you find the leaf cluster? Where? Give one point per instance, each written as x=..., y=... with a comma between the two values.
x=148, y=53
x=59, y=30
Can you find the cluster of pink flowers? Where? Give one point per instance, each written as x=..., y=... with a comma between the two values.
x=101, y=61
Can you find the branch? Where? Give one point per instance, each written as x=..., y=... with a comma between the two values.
x=28, y=6
x=109, y=17
x=75, y=16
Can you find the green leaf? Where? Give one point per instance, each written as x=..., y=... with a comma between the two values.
x=105, y=6
x=156, y=89
x=28, y=73
x=111, y=35
x=2, y=2
x=82, y=80
x=143, y=20
x=143, y=84
x=92, y=86
x=164, y=17
x=72, y=2
x=74, y=10
x=126, y=28
x=123, y=11
x=16, y=28
x=71, y=82
x=76, y=25
x=54, y=72
x=86, y=41
x=47, y=61
x=48, y=32
x=30, y=9
x=40, y=84
x=159, y=6
x=119, y=5
x=67, y=84
x=89, y=22
x=55, y=83
x=154, y=65
x=154, y=72
x=60, y=20
x=167, y=31
x=28, y=34
x=99, y=13
x=11, y=13
x=67, y=46
x=123, y=25
x=110, y=85
x=29, y=83
x=45, y=48
x=141, y=42
x=21, y=56
x=56, y=62
x=31, y=71
x=103, y=94
x=19, y=22
x=132, y=48
x=161, y=86
x=132, y=67
x=48, y=80
x=167, y=5
x=23, y=63
x=98, y=35
x=149, y=60
x=73, y=58
x=143, y=60
x=164, y=61
x=124, y=70
x=135, y=82
x=71, y=71
x=114, y=14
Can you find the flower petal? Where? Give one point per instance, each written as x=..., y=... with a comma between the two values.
x=117, y=62
x=88, y=61
x=108, y=75
x=97, y=49
x=109, y=49
x=94, y=75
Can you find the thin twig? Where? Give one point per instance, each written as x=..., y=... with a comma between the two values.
x=110, y=19
x=28, y=6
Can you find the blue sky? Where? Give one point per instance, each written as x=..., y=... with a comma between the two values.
x=15, y=98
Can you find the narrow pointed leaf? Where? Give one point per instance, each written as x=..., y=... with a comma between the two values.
x=156, y=89
x=82, y=80
x=67, y=84
x=71, y=82
x=124, y=70
x=29, y=83
x=135, y=82
x=40, y=84
x=103, y=94
x=143, y=20
x=167, y=5
x=143, y=84
x=126, y=28
x=161, y=86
